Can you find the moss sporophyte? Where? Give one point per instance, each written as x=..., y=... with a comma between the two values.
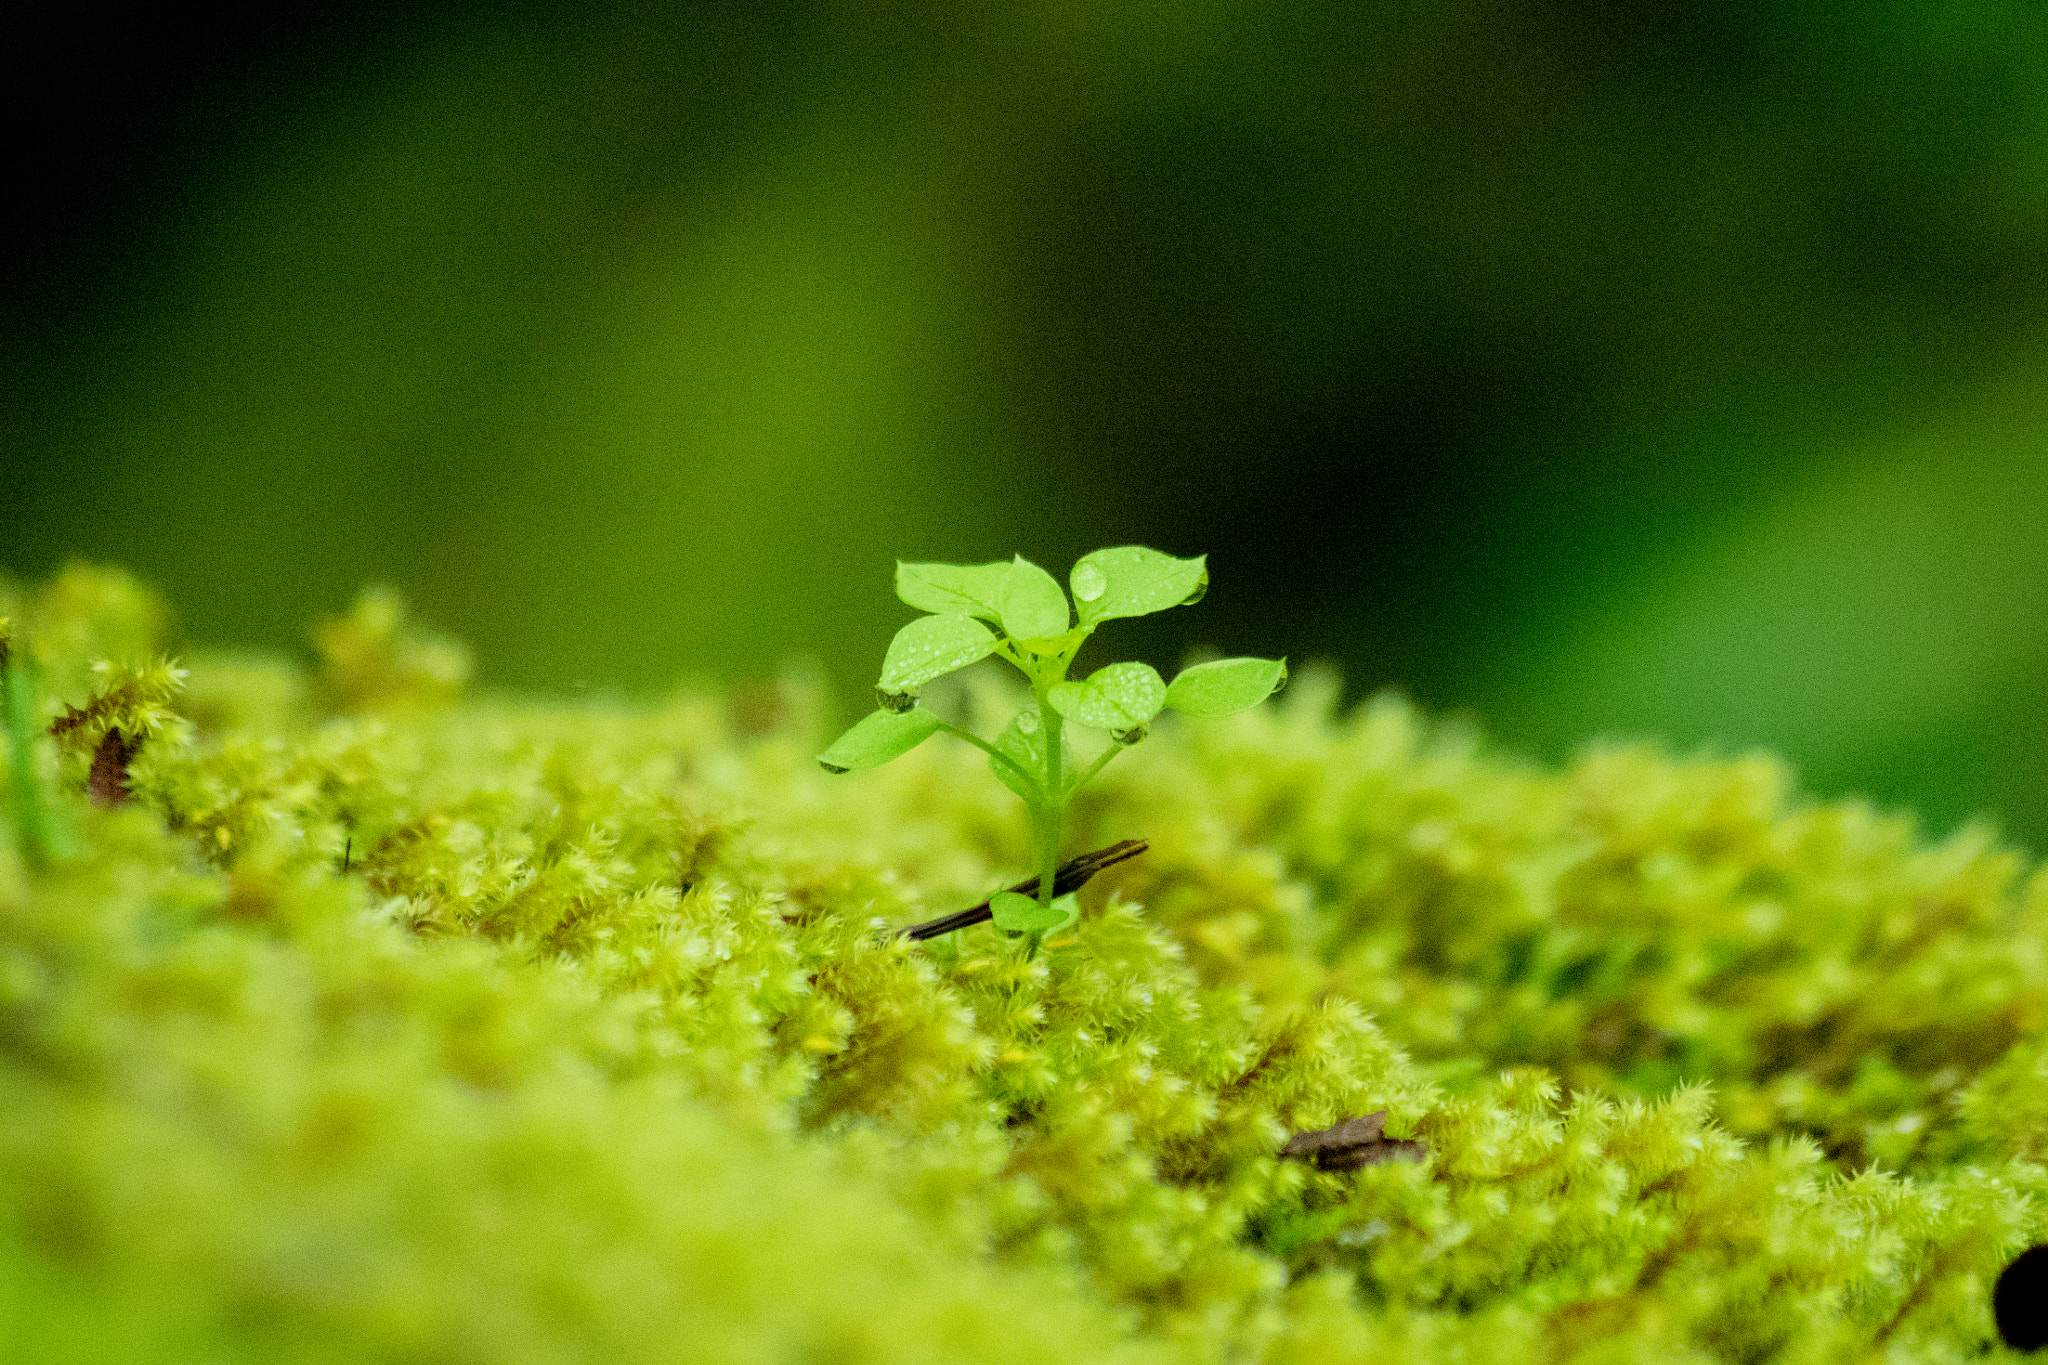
x=1017, y=611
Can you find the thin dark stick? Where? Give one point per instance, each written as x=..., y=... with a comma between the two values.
x=1068, y=876
x=347, y=849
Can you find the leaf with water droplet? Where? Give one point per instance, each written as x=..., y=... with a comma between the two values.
x=877, y=738
x=932, y=646
x=952, y=589
x=1115, y=697
x=1226, y=686
x=1023, y=740
x=1031, y=604
x=1135, y=581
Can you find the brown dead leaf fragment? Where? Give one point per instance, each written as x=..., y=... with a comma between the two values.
x=1353, y=1144
x=107, y=783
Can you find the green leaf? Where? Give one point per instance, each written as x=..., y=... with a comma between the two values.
x=1023, y=739
x=1015, y=914
x=1117, y=697
x=930, y=647
x=952, y=589
x=1130, y=580
x=1031, y=604
x=1048, y=646
x=878, y=738
x=1227, y=686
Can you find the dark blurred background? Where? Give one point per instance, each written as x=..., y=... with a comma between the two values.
x=1625, y=367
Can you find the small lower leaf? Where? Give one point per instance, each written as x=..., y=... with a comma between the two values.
x=1017, y=914
x=879, y=737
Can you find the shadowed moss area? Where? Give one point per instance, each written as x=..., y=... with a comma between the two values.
x=367, y=1020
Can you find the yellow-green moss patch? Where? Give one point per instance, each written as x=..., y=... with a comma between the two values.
x=388, y=1024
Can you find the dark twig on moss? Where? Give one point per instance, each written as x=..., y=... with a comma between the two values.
x=1068, y=876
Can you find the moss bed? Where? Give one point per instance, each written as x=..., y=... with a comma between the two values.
x=381, y=1023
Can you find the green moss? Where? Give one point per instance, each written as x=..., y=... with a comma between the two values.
x=387, y=1025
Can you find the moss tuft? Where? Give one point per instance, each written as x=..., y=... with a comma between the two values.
x=383, y=1024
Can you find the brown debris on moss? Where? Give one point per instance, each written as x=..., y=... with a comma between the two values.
x=1352, y=1145
x=107, y=783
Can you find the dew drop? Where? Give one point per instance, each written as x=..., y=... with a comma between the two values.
x=832, y=767
x=897, y=702
x=1201, y=591
x=1280, y=683
x=1027, y=721
x=1089, y=583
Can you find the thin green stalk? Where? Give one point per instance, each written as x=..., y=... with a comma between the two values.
x=1101, y=762
x=1055, y=802
x=992, y=751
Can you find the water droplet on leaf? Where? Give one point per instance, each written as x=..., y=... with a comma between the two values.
x=1027, y=721
x=1201, y=591
x=1280, y=683
x=1089, y=582
x=898, y=702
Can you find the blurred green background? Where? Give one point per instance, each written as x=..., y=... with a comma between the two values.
x=1610, y=368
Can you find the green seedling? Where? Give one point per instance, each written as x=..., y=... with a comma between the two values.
x=1018, y=612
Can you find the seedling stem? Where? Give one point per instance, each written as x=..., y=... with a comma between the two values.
x=1017, y=610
